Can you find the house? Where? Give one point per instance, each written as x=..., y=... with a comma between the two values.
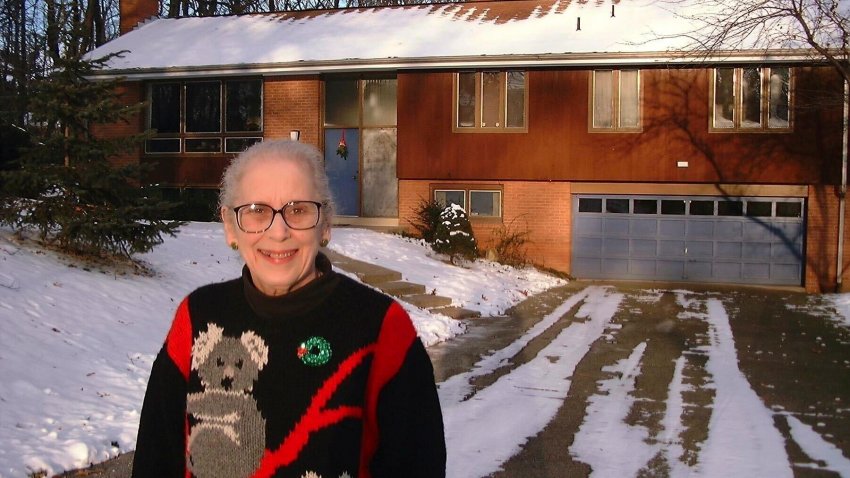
x=571, y=120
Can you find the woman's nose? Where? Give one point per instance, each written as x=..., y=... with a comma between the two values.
x=279, y=225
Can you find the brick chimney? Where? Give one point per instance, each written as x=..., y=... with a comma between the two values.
x=133, y=12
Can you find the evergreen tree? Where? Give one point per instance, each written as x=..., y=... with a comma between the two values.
x=454, y=235
x=66, y=187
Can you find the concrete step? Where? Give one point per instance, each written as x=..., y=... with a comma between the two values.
x=377, y=277
x=401, y=288
x=457, y=313
x=366, y=272
x=427, y=301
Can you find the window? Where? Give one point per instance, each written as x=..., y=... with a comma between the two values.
x=645, y=206
x=204, y=116
x=589, y=205
x=447, y=197
x=683, y=206
x=615, y=100
x=617, y=206
x=491, y=101
x=483, y=203
x=751, y=99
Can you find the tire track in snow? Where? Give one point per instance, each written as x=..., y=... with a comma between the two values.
x=817, y=448
x=520, y=404
x=459, y=387
x=605, y=441
x=742, y=438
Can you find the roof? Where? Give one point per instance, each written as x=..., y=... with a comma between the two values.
x=520, y=33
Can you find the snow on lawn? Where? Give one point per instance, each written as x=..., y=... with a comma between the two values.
x=77, y=344
x=487, y=287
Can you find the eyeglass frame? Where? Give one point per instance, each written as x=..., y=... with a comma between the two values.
x=275, y=212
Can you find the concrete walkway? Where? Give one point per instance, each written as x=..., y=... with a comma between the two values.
x=391, y=283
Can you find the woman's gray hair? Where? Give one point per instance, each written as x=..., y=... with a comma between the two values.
x=279, y=150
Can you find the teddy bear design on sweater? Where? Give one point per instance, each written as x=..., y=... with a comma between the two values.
x=228, y=435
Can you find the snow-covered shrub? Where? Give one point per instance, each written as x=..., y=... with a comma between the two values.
x=454, y=236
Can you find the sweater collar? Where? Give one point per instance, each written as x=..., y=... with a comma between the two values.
x=297, y=302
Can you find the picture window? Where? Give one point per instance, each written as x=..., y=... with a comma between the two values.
x=204, y=116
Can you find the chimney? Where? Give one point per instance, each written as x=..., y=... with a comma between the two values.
x=133, y=12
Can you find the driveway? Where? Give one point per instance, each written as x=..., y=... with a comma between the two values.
x=629, y=379
x=682, y=380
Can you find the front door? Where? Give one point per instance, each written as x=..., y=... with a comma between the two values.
x=363, y=111
x=344, y=172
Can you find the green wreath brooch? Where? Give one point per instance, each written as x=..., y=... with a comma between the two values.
x=315, y=351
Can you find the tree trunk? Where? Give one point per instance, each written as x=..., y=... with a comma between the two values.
x=52, y=30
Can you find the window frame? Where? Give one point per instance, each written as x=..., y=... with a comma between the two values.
x=182, y=135
x=616, y=103
x=765, y=72
x=479, y=103
x=467, y=189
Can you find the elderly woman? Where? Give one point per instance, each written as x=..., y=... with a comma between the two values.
x=291, y=370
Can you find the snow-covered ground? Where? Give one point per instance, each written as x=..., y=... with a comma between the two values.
x=76, y=347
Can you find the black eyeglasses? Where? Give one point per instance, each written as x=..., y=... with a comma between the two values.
x=258, y=217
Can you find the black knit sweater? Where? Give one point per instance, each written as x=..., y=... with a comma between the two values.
x=327, y=381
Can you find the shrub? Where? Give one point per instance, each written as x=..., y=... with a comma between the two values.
x=454, y=235
x=426, y=219
x=511, y=244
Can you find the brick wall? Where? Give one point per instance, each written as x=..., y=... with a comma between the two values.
x=543, y=208
x=821, y=239
x=130, y=93
x=845, y=276
x=292, y=103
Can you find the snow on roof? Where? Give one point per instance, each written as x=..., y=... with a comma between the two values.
x=475, y=34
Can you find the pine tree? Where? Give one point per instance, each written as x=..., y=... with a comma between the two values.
x=454, y=235
x=66, y=187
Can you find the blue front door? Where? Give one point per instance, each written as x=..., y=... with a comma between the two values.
x=344, y=173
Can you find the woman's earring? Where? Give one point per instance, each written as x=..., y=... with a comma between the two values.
x=234, y=246
x=324, y=242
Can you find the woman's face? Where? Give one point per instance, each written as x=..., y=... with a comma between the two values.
x=280, y=259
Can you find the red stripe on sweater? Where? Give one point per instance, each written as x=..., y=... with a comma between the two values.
x=315, y=418
x=178, y=343
x=396, y=336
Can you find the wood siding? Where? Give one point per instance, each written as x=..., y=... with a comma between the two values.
x=675, y=120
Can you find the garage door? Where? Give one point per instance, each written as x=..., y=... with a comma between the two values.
x=701, y=239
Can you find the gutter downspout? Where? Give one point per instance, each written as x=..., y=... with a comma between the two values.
x=842, y=194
